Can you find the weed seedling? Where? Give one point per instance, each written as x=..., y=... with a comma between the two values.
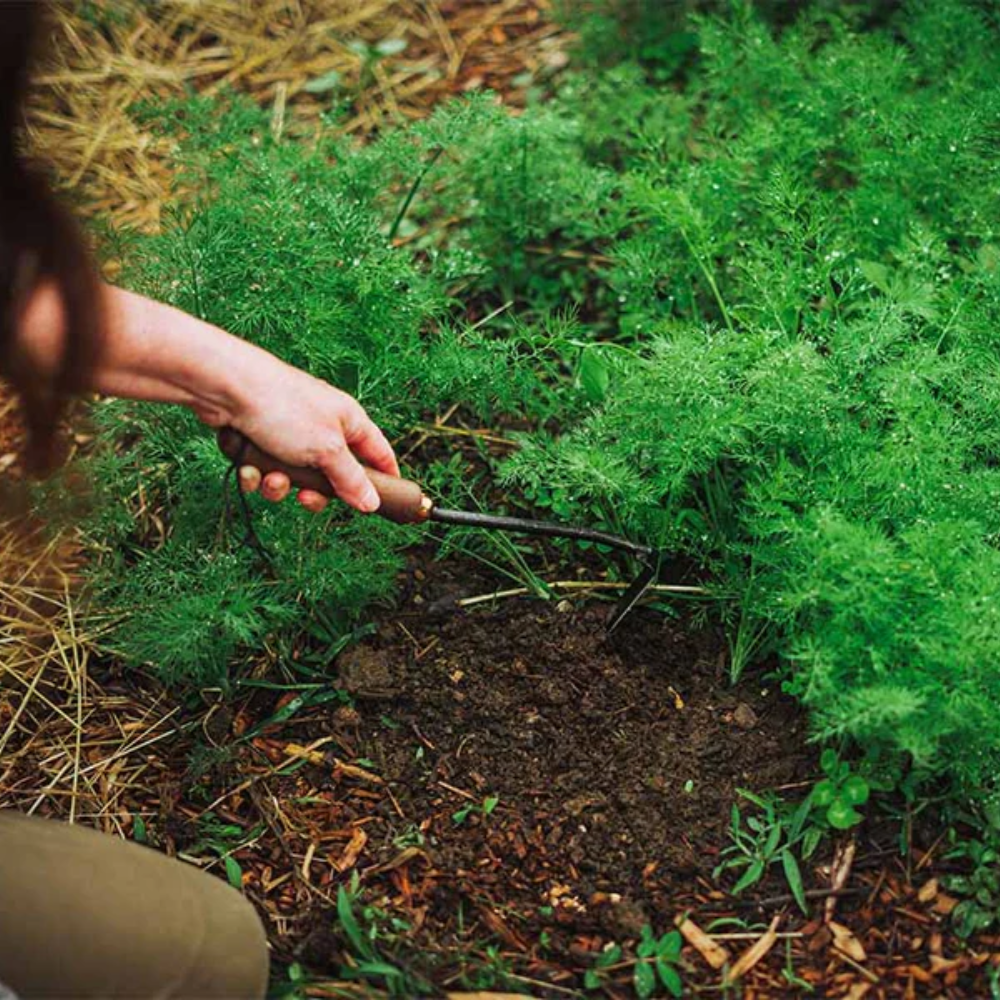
x=979, y=910
x=840, y=792
x=598, y=975
x=789, y=974
x=224, y=840
x=777, y=834
x=488, y=805
x=657, y=960
x=366, y=931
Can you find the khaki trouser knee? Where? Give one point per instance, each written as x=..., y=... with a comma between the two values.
x=86, y=915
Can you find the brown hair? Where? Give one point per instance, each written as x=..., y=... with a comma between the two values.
x=39, y=244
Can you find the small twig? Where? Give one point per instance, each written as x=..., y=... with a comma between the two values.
x=753, y=935
x=491, y=315
x=659, y=588
x=438, y=423
x=754, y=953
x=857, y=966
x=789, y=898
x=278, y=112
x=843, y=859
x=458, y=791
x=430, y=430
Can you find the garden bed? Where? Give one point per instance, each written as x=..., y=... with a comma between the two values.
x=757, y=347
x=516, y=790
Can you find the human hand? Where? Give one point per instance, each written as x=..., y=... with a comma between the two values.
x=305, y=421
x=153, y=351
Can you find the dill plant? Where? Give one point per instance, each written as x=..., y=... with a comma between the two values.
x=786, y=274
x=287, y=244
x=802, y=388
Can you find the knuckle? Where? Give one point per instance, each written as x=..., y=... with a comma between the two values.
x=336, y=447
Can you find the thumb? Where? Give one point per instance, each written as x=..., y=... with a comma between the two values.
x=348, y=479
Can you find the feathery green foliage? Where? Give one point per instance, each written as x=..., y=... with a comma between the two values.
x=780, y=243
x=810, y=293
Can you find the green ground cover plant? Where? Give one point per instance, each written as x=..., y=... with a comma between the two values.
x=800, y=388
x=748, y=300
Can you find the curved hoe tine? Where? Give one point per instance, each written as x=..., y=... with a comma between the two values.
x=634, y=594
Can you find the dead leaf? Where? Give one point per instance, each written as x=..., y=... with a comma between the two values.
x=352, y=852
x=755, y=952
x=502, y=929
x=845, y=941
x=940, y=964
x=704, y=944
x=928, y=891
x=843, y=859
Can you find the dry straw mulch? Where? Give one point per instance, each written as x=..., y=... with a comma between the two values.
x=383, y=61
x=69, y=746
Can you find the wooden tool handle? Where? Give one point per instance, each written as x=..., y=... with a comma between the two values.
x=403, y=501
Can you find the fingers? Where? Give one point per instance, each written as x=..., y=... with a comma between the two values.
x=371, y=446
x=357, y=439
x=314, y=502
x=348, y=479
x=249, y=478
x=276, y=487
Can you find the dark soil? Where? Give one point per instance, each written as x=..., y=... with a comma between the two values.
x=506, y=791
x=550, y=788
x=615, y=758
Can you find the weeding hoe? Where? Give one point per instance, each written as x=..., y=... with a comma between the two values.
x=404, y=502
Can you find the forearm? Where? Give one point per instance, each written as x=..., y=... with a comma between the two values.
x=151, y=351
x=154, y=352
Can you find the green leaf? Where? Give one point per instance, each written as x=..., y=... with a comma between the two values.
x=810, y=841
x=345, y=913
x=139, y=832
x=855, y=790
x=375, y=967
x=756, y=799
x=842, y=816
x=233, y=872
x=750, y=876
x=644, y=980
x=324, y=84
x=594, y=375
x=773, y=839
x=670, y=978
x=671, y=944
x=591, y=980
x=799, y=818
x=969, y=918
x=793, y=876
x=824, y=793
x=490, y=803
x=877, y=274
x=960, y=883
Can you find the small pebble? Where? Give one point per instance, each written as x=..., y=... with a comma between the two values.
x=744, y=716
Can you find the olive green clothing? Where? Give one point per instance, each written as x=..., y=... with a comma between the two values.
x=85, y=915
